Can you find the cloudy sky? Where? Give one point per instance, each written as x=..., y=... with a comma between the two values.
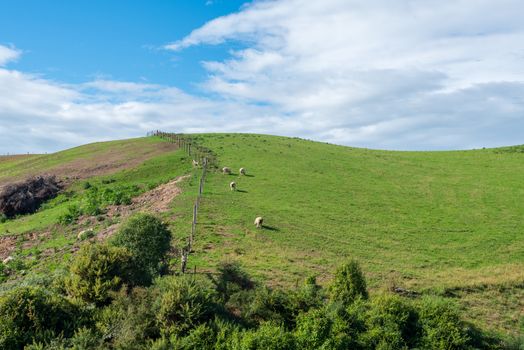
x=404, y=74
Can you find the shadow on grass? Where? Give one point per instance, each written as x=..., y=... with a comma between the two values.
x=270, y=228
x=248, y=175
x=242, y=191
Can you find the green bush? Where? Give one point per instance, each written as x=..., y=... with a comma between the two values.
x=270, y=305
x=92, y=204
x=184, y=303
x=202, y=337
x=71, y=215
x=97, y=271
x=4, y=272
x=309, y=296
x=392, y=323
x=441, y=325
x=29, y=314
x=84, y=339
x=313, y=329
x=268, y=336
x=3, y=218
x=349, y=284
x=130, y=321
x=149, y=240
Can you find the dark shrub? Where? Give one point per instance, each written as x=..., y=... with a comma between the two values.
x=231, y=279
x=441, y=325
x=31, y=314
x=313, y=329
x=130, y=321
x=270, y=305
x=391, y=323
x=268, y=336
x=4, y=272
x=202, y=337
x=349, y=284
x=308, y=296
x=97, y=271
x=148, y=239
x=184, y=303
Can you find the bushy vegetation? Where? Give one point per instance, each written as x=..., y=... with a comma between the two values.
x=427, y=221
x=224, y=311
x=30, y=314
x=97, y=271
x=148, y=240
x=94, y=200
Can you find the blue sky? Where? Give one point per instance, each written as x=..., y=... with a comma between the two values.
x=408, y=74
x=77, y=41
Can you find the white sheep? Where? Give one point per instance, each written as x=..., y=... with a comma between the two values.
x=85, y=234
x=259, y=221
x=226, y=170
x=242, y=171
x=195, y=163
x=233, y=186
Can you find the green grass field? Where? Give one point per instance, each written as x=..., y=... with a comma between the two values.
x=435, y=222
x=448, y=223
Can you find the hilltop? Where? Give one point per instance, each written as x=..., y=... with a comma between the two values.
x=445, y=223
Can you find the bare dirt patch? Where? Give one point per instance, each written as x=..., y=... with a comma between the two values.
x=156, y=200
x=8, y=243
x=96, y=163
x=110, y=162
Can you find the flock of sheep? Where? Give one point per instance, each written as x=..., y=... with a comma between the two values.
x=233, y=187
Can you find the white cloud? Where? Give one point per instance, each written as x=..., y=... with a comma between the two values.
x=406, y=74
x=8, y=54
x=38, y=115
x=376, y=73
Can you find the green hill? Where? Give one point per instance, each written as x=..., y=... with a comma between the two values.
x=447, y=223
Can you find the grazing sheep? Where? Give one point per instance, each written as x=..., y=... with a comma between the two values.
x=242, y=171
x=233, y=186
x=226, y=170
x=195, y=163
x=258, y=221
x=85, y=234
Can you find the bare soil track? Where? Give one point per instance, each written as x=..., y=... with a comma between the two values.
x=104, y=161
x=156, y=200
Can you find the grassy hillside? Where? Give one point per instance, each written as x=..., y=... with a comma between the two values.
x=118, y=170
x=440, y=222
x=85, y=161
x=447, y=223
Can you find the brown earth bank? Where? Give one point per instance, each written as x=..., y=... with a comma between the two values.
x=156, y=200
x=106, y=161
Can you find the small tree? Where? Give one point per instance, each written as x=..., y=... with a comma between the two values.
x=98, y=270
x=349, y=284
x=184, y=303
x=29, y=314
x=148, y=239
x=231, y=279
x=442, y=327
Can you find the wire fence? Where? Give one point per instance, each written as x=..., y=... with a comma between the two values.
x=201, y=157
